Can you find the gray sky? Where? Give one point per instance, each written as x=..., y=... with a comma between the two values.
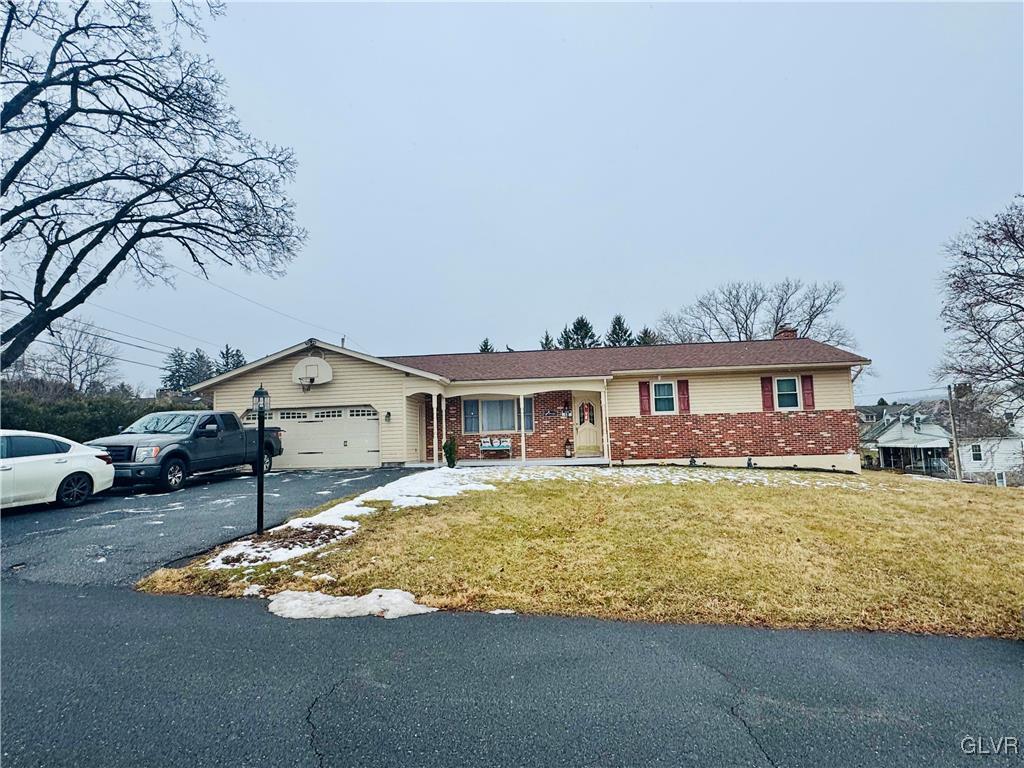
x=493, y=170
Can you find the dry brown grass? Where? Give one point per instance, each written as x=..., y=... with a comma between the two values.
x=936, y=557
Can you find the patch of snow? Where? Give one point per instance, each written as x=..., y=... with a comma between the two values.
x=100, y=560
x=253, y=590
x=386, y=603
x=501, y=611
x=324, y=577
x=153, y=522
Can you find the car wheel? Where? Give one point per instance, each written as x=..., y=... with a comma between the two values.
x=268, y=462
x=172, y=475
x=74, y=490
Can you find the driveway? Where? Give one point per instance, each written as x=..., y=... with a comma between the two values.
x=94, y=673
x=119, y=536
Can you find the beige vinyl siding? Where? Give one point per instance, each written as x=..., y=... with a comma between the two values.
x=414, y=414
x=732, y=392
x=355, y=382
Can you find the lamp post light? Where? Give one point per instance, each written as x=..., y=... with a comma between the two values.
x=260, y=404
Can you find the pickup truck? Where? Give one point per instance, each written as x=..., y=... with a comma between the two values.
x=166, y=447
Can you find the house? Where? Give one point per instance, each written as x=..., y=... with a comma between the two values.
x=785, y=401
x=994, y=460
x=904, y=437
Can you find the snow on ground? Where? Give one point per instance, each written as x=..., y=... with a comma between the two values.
x=303, y=535
x=387, y=603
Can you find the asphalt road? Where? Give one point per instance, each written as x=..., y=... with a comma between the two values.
x=94, y=674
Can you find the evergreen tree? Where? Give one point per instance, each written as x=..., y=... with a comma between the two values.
x=646, y=337
x=175, y=370
x=485, y=346
x=547, y=342
x=619, y=334
x=199, y=367
x=565, y=339
x=881, y=401
x=583, y=335
x=228, y=359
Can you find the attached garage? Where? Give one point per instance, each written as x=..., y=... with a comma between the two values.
x=327, y=437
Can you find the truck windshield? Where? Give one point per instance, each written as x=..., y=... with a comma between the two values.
x=164, y=424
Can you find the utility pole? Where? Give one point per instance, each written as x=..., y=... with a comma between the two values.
x=956, y=443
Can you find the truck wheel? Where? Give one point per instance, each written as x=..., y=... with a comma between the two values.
x=172, y=475
x=268, y=462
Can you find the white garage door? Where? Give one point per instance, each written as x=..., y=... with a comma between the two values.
x=338, y=436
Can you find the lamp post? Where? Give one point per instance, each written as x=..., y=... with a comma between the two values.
x=260, y=404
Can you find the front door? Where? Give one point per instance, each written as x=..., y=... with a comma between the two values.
x=587, y=424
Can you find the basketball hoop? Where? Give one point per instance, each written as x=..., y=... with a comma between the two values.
x=306, y=382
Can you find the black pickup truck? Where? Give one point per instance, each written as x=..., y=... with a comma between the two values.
x=166, y=447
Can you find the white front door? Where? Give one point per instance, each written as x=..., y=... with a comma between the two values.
x=587, y=424
x=330, y=437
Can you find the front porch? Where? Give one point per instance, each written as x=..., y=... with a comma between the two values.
x=508, y=423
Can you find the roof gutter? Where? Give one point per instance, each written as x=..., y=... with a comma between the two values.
x=734, y=368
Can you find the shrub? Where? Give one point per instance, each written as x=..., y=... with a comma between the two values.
x=75, y=416
x=450, y=451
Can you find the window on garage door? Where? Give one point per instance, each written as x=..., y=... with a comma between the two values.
x=331, y=413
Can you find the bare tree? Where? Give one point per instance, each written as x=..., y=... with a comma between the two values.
x=77, y=356
x=120, y=153
x=984, y=311
x=745, y=311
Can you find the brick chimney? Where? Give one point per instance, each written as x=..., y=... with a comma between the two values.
x=785, y=332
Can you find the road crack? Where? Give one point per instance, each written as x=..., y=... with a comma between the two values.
x=320, y=756
x=739, y=692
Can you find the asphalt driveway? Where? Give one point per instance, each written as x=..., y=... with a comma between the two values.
x=119, y=536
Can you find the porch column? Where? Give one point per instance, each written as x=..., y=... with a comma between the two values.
x=436, y=402
x=604, y=424
x=444, y=420
x=522, y=428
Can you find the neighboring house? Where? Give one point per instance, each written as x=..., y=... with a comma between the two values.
x=902, y=437
x=782, y=402
x=993, y=460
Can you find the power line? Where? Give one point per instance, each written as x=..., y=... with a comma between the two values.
x=937, y=388
x=100, y=354
x=269, y=308
x=109, y=338
x=212, y=344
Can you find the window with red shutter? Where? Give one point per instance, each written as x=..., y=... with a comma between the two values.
x=767, y=394
x=807, y=386
x=683, y=391
x=645, y=398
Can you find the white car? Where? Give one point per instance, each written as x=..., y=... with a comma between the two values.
x=36, y=468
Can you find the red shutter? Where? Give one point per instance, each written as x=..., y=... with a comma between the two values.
x=767, y=393
x=683, y=390
x=645, y=398
x=807, y=385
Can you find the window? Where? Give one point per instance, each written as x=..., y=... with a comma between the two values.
x=292, y=415
x=976, y=452
x=253, y=416
x=333, y=413
x=498, y=415
x=230, y=422
x=206, y=421
x=21, y=446
x=786, y=394
x=361, y=412
x=495, y=415
x=470, y=416
x=664, y=397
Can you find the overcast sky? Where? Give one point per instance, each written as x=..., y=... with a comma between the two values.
x=492, y=170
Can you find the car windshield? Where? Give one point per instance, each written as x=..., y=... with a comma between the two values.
x=164, y=424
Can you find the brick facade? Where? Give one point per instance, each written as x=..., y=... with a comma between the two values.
x=545, y=442
x=734, y=435
x=654, y=437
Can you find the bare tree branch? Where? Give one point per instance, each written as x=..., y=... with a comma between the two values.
x=121, y=154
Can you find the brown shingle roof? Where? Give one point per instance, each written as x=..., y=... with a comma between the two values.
x=602, y=361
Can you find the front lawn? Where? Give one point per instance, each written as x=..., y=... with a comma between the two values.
x=781, y=549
